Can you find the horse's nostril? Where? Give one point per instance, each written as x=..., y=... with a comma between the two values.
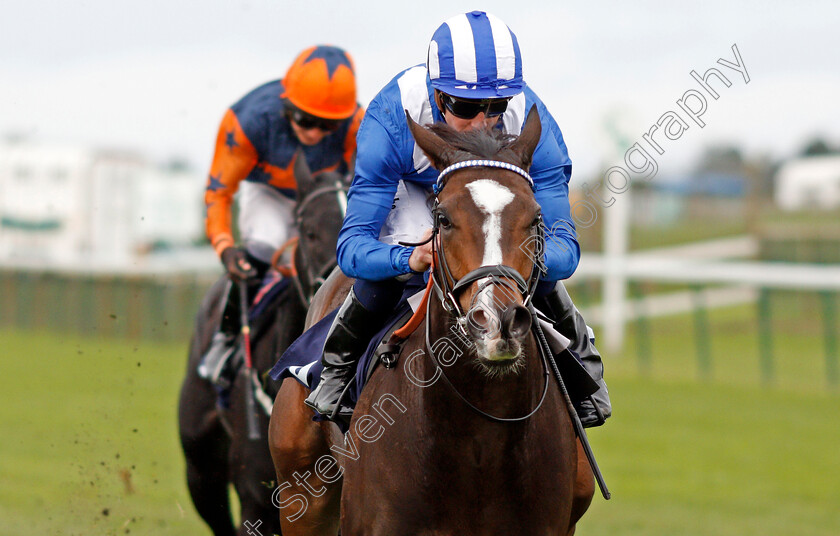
x=479, y=322
x=516, y=321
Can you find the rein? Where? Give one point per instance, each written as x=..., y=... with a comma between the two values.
x=446, y=379
x=447, y=287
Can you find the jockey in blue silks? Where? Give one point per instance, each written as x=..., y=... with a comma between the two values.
x=472, y=78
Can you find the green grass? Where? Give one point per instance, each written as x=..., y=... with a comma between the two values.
x=90, y=442
x=806, y=219
x=683, y=233
x=685, y=458
x=797, y=360
x=682, y=457
x=660, y=236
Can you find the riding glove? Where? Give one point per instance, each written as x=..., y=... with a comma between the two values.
x=237, y=265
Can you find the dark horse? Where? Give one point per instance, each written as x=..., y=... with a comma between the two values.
x=465, y=436
x=215, y=440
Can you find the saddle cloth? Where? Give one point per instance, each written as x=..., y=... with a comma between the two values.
x=302, y=359
x=270, y=290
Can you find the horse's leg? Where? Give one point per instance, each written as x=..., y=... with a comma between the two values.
x=251, y=468
x=584, y=489
x=308, y=506
x=205, y=444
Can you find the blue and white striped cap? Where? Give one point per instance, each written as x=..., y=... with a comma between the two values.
x=475, y=56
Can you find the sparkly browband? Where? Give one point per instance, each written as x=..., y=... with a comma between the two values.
x=481, y=163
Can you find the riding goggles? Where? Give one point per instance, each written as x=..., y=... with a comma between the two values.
x=308, y=121
x=469, y=108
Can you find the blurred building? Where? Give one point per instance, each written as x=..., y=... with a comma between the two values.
x=701, y=196
x=811, y=182
x=66, y=205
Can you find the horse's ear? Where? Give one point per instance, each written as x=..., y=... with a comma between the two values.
x=439, y=152
x=527, y=141
x=303, y=175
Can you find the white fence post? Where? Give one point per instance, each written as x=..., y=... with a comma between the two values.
x=615, y=238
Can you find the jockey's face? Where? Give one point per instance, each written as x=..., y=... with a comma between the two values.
x=463, y=125
x=310, y=129
x=308, y=136
x=466, y=114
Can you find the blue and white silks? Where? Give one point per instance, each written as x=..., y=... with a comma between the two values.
x=387, y=154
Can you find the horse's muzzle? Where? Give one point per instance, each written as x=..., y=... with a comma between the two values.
x=516, y=322
x=498, y=335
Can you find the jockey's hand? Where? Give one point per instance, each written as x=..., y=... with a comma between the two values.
x=421, y=257
x=237, y=265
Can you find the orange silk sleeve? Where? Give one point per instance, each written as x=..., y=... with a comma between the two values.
x=350, y=140
x=233, y=160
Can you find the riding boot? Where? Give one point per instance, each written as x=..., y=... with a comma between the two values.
x=216, y=364
x=569, y=322
x=347, y=339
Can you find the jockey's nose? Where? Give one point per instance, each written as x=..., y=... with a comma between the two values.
x=481, y=121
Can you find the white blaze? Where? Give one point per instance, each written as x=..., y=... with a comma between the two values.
x=492, y=198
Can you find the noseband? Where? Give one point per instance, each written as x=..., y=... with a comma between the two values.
x=448, y=288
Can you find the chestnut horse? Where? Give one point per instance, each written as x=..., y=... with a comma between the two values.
x=467, y=435
x=215, y=441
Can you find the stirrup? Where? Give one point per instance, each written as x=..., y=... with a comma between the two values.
x=216, y=362
x=343, y=412
x=339, y=409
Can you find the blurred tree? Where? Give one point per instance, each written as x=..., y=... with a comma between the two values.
x=177, y=164
x=723, y=159
x=818, y=146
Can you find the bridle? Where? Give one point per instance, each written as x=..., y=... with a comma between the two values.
x=448, y=288
x=445, y=284
x=314, y=277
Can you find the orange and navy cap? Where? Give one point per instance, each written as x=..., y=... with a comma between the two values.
x=322, y=82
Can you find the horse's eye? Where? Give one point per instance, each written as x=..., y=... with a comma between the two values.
x=444, y=222
x=311, y=235
x=537, y=220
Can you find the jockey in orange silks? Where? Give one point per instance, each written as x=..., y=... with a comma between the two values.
x=313, y=109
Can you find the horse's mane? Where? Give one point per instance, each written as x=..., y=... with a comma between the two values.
x=487, y=143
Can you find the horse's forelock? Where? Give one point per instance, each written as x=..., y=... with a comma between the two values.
x=488, y=143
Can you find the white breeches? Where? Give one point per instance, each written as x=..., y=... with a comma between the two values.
x=411, y=215
x=266, y=219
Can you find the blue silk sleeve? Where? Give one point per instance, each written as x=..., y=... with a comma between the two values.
x=551, y=170
x=378, y=172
